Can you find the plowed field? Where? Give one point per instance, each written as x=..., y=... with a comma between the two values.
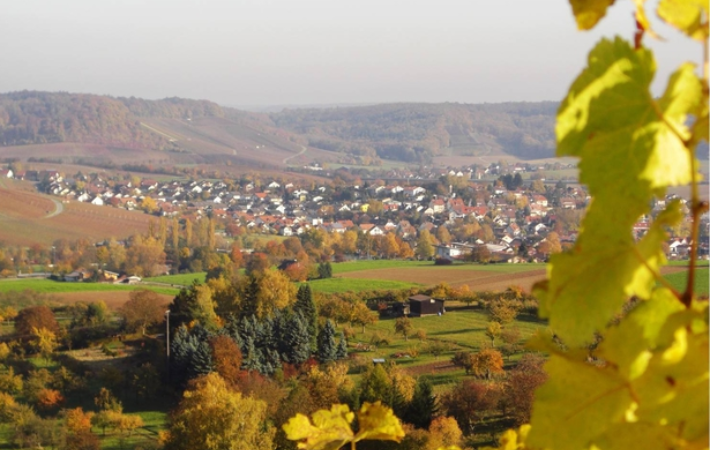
x=27, y=218
x=477, y=280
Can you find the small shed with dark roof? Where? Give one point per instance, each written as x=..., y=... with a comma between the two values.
x=423, y=305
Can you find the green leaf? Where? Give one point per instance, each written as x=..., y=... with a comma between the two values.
x=330, y=429
x=577, y=403
x=631, y=148
x=689, y=16
x=378, y=422
x=589, y=12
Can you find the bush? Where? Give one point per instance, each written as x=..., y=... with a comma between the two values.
x=442, y=262
x=379, y=339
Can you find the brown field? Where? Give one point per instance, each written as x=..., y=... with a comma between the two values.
x=26, y=218
x=113, y=299
x=477, y=280
x=70, y=150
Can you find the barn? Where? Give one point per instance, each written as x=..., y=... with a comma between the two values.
x=423, y=305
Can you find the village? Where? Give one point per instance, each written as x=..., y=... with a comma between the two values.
x=515, y=220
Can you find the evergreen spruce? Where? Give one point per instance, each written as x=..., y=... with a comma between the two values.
x=297, y=340
x=307, y=308
x=325, y=270
x=191, y=355
x=327, y=348
x=423, y=407
x=342, y=350
x=251, y=359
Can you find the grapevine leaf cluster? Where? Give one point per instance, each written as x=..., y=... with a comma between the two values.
x=331, y=429
x=639, y=378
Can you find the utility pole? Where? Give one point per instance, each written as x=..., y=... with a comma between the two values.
x=167, y=342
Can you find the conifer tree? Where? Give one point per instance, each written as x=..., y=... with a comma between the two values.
x=342, y=350
x=251, y=361
x=307, y=308
x=327, y=348
x=297, y=340
x=191, y=355
x=423, y=407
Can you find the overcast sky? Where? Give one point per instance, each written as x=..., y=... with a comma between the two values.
x=279, y=52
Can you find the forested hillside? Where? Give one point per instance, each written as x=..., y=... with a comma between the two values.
x=416, y=132
x=31, y=117
x=404, y=132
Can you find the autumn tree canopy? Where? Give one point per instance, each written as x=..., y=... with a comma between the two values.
x=213, y=417
x=143, y=309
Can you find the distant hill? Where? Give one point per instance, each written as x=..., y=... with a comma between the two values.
x=416, y=132
x=203, y=132
x=31, y=117
x=168, y=131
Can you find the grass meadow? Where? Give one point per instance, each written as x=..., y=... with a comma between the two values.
x=680, y=279
x=335, y=285
x=47, y=286
x=183, y=279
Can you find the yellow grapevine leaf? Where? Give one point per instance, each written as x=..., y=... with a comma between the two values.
x=689, y=16
x=330, y=429
x=589, y=12
x=644, y=436
x=673, y=391
x=631, y=148
x=629, y=346
x=378, y=422
x=512, y=440
x=577, y=403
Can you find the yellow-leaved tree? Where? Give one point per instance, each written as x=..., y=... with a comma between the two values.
x=211, y=416
x=628, y=364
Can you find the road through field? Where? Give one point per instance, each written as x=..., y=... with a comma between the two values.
x=58, y=209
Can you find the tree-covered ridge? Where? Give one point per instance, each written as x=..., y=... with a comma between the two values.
x=417, y=131
x=405, y=132
x=33, y=117
x=172, y=108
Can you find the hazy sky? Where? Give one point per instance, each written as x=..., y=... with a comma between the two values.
x=266, y=52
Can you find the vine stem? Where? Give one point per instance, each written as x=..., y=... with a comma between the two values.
x=698, y=207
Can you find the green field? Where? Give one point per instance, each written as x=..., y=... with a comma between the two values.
x=463, y=327
x=355, y=266
x=47, y=286
x=371, y=264
x=457, y=330
x=684, y=263
x=334, y=285
x=702, y=283
x=183, y=279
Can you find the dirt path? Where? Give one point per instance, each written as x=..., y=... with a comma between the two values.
x=285, y=161
x=58, y=209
